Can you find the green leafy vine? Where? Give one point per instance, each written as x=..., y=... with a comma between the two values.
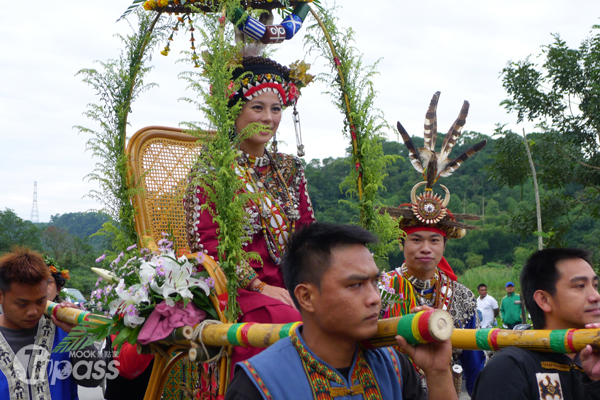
x=225, y=199
x=364, y=125
x=118, y=82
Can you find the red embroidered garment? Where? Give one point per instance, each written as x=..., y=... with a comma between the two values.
x=255, y=307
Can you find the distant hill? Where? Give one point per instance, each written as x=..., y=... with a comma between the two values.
x=504, y=210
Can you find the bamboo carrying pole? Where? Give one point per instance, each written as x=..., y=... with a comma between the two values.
x=422, y=327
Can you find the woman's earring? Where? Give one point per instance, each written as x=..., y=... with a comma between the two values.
x=274, y=145
x=299, y=145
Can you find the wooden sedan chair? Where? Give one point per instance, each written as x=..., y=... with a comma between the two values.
x=160, y=159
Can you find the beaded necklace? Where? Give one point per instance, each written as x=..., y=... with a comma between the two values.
x=435, y=292
x=276, y=207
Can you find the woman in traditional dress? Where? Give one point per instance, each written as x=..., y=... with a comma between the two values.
x=284, y=204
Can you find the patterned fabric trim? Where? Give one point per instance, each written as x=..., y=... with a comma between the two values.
x=258, y=380
x=363, y=373
x=560, y=367
x=19, y=390
x=393, y=355
x=320, y=376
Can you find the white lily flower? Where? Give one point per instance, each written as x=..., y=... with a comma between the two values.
x=133, y=320
x=135, y=295
x=178, y=279
x=147, y=272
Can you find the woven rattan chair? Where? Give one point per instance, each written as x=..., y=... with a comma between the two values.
x=160, y=159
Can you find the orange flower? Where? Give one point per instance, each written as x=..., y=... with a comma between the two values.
x=65, y=274
x=53, y=270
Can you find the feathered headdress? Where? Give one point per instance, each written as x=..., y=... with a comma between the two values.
x=438, y=164
x=428, y=209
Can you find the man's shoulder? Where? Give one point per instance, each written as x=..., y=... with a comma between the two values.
x=268, y=360
x=513, y=357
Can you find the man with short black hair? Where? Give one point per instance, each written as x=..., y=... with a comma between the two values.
x=510, y=307
x=560, y=290
x=28, y=368
x=488, y=307
x=333, y=280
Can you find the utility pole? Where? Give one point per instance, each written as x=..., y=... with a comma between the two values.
x=35, y=217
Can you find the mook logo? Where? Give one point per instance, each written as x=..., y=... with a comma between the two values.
x=38, y=360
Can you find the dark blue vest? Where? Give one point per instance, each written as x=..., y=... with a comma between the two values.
x=278, y=372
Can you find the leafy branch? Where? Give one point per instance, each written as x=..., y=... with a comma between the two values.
x=118, y=83
x=364, y=125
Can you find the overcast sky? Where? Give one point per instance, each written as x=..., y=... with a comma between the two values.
x=457, y=47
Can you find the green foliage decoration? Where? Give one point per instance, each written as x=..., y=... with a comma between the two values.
x=218, y=162
x=118, y=82
x=364, y=125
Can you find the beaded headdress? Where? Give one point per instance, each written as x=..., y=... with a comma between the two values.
x=260, y=74
x=428, y=211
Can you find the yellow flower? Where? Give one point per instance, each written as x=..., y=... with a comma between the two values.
x=163, y=3
x=148, y=5
x=164, y=53
x=298, y=73
x=65, y=274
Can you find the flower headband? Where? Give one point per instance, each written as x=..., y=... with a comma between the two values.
x=58, y=274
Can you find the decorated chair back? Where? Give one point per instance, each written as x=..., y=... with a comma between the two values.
x=160, y=159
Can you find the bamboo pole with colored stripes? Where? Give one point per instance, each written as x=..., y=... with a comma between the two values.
x=556, y=341
x=416, y=328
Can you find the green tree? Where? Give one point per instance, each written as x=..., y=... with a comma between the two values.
x=562, y=96
x=15, y=231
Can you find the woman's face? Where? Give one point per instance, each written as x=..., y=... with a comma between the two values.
x=52, y=289
x=264, y=109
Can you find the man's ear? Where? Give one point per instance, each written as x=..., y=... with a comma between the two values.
x=543, y=300
x=304, y=293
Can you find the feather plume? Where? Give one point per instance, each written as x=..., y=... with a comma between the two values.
x=431, y=123
x=453, y=134
x=425, y=159
x=453, y=165
x=413, y=153
x=255, y=49
x=426, y=156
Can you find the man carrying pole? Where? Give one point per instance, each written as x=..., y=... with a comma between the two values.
x=560, y=290
x=333, y=280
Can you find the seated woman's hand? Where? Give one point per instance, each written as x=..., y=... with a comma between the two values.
x=278, y=293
